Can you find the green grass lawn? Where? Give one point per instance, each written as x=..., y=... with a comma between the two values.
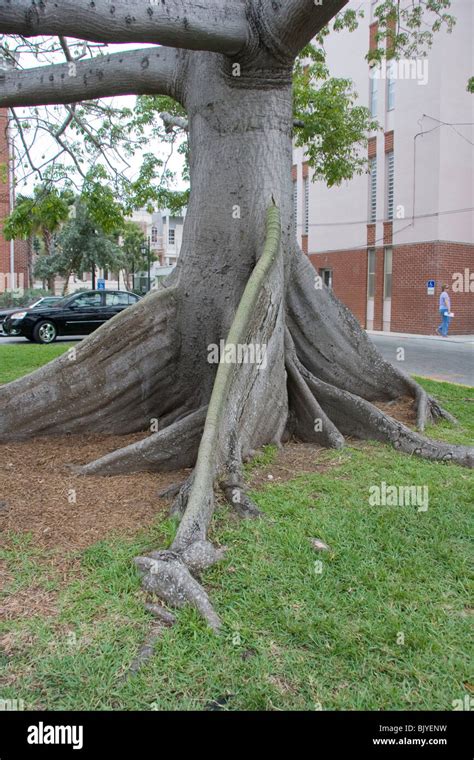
x=17, y=359
x=383, y=622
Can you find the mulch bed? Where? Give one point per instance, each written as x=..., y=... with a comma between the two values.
x=402, y=409
x=293, y=459
x=65, y=513
x=37, y=489
x=39, y=494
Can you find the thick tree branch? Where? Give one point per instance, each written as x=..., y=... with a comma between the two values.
x=217, y=25
x=139, y=72
x=171, y=121
x=286, y=26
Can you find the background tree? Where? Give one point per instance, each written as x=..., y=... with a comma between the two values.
x=132, y=242
x=42, y=214
x=82, y=246
x=240, y=278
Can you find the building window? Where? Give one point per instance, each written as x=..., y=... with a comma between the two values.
x=171, y=236
x=373, y=93
x=390, y=86
x=305, y=206
x=295, y=203
x=373, y=190
x=326, y=276
x=371, y=273
x=154, y=235
x=387, y=273
x=390, y=183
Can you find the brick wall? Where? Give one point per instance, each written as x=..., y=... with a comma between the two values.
x=371, y=147
x=349, y=277
x=378, y=297
x=371, y=235
x=4, y=196
x=388, y=141
x=21, y=246
x=413, y=310
x=413, y=265
x=373, y=29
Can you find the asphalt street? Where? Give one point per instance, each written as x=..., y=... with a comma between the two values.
x=446, y=359
x=449, y=359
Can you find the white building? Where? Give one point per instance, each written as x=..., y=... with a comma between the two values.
x=380, y=238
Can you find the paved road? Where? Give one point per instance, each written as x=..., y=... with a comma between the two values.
x=451, y=360
x=438, y=358
x=65, y=339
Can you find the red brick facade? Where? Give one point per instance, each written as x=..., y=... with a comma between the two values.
x=413, y=310
x=373, y=29
x=387, y=233
x=371, y=147
x=21, y=247
x=349, y=270
x=388, y=141
x=4, y=198
x=371, y=235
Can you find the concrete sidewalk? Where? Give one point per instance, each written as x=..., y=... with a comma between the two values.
x=450, y=338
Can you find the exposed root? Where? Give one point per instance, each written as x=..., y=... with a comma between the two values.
x=167, y=576
x=173, y=448
x=237, y=389
x=170, y=491
x=236, y=495
x=356, y=416
x=159, y=612
x=145, y=652
x=332, y=345
x=308, y=420
x=114, y=381
x=163, y=618
x=180, y=503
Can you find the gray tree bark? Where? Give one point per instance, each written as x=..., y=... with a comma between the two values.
x=240, y=278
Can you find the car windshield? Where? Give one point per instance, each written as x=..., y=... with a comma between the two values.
x=58, y=302
x=46, y=301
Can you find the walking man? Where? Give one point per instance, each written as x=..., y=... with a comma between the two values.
x=445, y=311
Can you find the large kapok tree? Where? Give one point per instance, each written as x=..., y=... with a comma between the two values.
x=241, y=277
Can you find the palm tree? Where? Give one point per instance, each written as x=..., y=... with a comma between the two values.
x=42, y=214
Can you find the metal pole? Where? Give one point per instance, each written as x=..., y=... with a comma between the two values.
x=149, y=264
x=11, y=180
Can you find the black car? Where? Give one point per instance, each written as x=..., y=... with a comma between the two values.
x=79, y=314
x=41, y=302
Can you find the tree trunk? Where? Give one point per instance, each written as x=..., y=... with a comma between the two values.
x=48, y=242
x=305, y=359
x=29, y=254
x=66, y=282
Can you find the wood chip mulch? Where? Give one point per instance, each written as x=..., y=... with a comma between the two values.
x=39, y=494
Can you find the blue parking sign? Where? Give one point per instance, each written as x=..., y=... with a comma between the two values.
x=100, y=284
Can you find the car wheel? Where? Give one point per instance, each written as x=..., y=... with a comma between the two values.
x=45, y=332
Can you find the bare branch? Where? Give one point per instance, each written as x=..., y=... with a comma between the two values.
x=217, y=25
x=65, y=48
x=27, y=154
x=140, y=72
x=171, y=121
